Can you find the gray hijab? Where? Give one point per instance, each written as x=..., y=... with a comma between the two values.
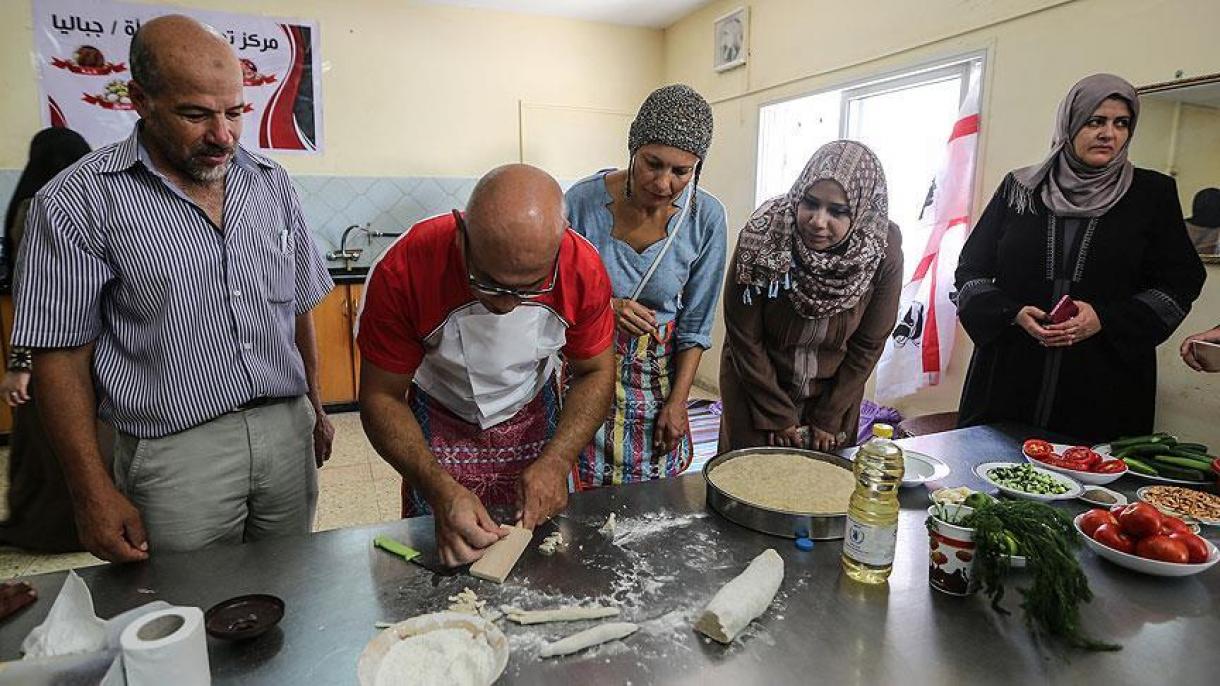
x=1068, y=186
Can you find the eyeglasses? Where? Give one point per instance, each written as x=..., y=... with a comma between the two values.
x=492, y=289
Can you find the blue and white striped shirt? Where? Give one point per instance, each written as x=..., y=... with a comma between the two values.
x=189, y=322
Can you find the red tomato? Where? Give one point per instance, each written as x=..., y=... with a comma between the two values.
x=1095, y=518
x=1037, y=448
x=1139, y=520
x=1112, y=536
x=1173, y=525
x=1111, y=467
x=1116, y=510
x=1196, y=548
x=1163, y=548
x=1083, y=455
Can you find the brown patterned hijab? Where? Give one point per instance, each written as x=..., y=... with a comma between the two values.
x=771, y=255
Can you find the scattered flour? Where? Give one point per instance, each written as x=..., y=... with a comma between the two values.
x=444, y=657
x=552, y=543
x=607, y=529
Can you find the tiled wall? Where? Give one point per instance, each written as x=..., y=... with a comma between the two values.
x=332, y=203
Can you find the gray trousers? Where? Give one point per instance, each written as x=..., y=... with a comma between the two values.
x=246, y=475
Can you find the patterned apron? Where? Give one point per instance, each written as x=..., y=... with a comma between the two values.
x=488, y=461
x=621, y=450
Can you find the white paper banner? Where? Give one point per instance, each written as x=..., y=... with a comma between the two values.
x=81, y=48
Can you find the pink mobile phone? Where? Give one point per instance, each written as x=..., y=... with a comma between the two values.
x=1063, y=310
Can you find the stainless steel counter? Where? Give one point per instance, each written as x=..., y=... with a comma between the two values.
x=670, y=556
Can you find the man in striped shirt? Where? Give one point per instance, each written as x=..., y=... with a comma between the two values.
x=174, y=271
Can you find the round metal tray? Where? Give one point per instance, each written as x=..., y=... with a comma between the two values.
x=819, y=527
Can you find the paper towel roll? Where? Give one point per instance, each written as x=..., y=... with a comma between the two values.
x=167, y=646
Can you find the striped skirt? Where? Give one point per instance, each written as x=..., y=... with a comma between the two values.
x=488, y=462
x=621, y=451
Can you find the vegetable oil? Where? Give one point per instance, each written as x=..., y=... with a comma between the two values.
x=872, y=515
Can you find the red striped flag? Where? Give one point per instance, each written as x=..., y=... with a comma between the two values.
x=919, y=349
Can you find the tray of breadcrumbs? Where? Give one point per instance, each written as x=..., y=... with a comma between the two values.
x=781, y=491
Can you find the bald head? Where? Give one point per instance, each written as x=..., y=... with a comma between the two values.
x=515, y=222
x=171, y=49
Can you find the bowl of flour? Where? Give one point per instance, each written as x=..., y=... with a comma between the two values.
x=447, y=648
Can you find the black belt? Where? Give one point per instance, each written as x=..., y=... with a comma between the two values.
x=260, y=402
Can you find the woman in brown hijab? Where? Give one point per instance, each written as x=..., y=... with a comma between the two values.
x=811, y=294
x=1086, y=224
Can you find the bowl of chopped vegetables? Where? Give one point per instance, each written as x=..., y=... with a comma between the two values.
x=1023, y=480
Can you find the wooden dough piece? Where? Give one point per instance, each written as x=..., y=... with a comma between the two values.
x=739, y=601
x=602, y=633
x=559, y=614
x=498, y=561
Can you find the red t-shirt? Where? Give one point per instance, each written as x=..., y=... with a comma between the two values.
x=421, y=279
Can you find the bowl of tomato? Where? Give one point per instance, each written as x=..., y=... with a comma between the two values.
x=1140, y=538
x=1079, y=462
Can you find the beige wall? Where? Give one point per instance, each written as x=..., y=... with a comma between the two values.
x=410, y=88
x=1035, y=49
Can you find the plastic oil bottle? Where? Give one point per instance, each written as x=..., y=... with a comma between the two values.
x=872, y=515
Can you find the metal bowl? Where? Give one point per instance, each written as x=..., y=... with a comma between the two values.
x=819, y=527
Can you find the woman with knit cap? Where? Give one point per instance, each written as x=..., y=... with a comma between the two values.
x=662, y=241
x=1086, y=224
x=811, y=295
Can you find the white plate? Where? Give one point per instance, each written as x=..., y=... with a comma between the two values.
x=920, y=468
x=1073, y=491
x=1104, y=450
x=1143, y=564
x=1119, y=498
x=1091, y=478
x=1180, y=515
x=370, y=660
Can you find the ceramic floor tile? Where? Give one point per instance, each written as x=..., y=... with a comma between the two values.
x=389, y=496
x=351, y=446
x=343, y=505
x=382, y=469
x=339, y=475
x=55, y=563
x=14, y=563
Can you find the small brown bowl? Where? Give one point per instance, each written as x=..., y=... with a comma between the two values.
x=243, y=617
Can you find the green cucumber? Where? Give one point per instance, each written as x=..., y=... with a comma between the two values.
x=1139, y=467
x=1162, y=438
x=1172, y=472
x=1194, y=447
x=1145, y=449
x=1190, y=454
x=1183, y=462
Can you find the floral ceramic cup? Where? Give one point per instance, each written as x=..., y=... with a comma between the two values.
x=951, y=554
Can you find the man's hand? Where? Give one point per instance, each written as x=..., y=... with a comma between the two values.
x=110, y=526
x=463, y=527
x=822, y=440
x=15, y=595
x=670, y=427
x=15, y=388
x=543, y=491
x=1187, y=351
x=323, y=437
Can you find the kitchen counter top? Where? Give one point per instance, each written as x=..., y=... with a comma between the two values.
x=669, y=556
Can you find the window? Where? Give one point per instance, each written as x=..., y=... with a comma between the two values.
x=906, y=119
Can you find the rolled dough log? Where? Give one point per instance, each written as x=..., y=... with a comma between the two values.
x=599, y=634
x=498, y=561
x=559, y=614
x=739, y=601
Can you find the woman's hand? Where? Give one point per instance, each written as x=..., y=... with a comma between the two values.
x=1084, y=325
x=634, y=318
x=670, y=427
x=1187, y=351
x=1030, y=319
x=822, y=440
x=15, y=388
x=787, y=438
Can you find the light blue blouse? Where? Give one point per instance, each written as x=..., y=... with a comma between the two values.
x=686, y=285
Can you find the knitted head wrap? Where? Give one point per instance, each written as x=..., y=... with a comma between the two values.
x=676, y=116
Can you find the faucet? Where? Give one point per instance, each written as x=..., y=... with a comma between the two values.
x=343, y=253
x=349, y=255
